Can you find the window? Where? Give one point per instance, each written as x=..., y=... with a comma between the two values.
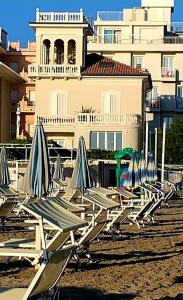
x=111, y=103
x=32, y=97
x=58, y=103
x=168, y=66
x=14, y=66
x=152, y=98
x=146, y=15
x=168, y=120
x=106, y=140
x=137, y=62
x=14, y=96
x=112, y=36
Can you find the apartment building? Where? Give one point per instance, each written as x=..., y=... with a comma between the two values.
x=22, y=94
x=9, y=79
x=146, y=38
x=79, y=94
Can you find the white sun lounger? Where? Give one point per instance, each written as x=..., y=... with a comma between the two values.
x=45, y=279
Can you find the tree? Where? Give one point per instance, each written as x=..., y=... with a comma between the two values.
x=174, y=143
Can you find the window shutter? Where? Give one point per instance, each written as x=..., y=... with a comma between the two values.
x=105, y=103
x=62, y=103
x=53, y=103
x=114, y=103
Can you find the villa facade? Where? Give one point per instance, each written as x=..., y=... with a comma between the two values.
x=74, y=93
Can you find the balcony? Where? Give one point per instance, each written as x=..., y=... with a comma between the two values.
x=109, y=16
x=134, y=39
x=168, y=74
x=153, y=105
x=179, y=104
x=177, y=27
x=59, y=17
x=35, y=70
x=86, y=119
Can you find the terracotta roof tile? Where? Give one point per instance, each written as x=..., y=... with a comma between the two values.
x=98, y=65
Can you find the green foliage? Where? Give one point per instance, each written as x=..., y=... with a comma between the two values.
x=87, y=110
x=20, y=141
x=28, y=141
x=173, y=143
x=100, y=154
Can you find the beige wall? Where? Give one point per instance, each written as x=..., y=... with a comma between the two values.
x=90, y=92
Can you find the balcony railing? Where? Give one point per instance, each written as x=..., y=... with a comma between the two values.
x=134, y=39
x=179, y=103
x=153, y=104
x=168, y=72
x=53, y=70
x=109, y=16
x=177, y=26
x=59, y=17
x=90, y=119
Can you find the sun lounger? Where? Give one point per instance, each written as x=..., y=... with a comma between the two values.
x=115, y=213
x=90, y=234
x=45, y=279
x=137, y=215
x=149, y=214
x=58, y=219
x=7, y=193
x=67, y=205
x=103, y=191
x=5, y=209
x=150, y=193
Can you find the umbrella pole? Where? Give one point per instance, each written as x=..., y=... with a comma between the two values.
x=155, y=146
x=163, y=153
x=146, y=145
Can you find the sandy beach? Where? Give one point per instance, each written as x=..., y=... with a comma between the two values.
x=143, y=264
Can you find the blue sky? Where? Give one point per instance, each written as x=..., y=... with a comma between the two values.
x=15, y=15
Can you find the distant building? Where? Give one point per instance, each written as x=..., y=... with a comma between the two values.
x=147, y=39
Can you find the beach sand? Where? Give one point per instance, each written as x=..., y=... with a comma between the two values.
x=144, y=264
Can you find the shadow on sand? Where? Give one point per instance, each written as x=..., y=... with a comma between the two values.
x=70, y=293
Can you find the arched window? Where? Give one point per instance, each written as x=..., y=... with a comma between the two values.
x=46, y=52
x=71, y=56
x=59, y=52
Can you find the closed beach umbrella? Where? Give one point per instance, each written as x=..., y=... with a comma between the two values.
x=142, y=168
x=81, y=178
x=58, y=172
x=151, y=169
x=4, y=172
x=37, y=178
x=133, y=179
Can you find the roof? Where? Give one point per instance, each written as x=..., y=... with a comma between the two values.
x=98, y=65
x=10, y=75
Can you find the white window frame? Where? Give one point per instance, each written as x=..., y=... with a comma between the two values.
x=105, y=139
x=138, y=57
x=113, y=36
x=57, y=94
x=107, y=96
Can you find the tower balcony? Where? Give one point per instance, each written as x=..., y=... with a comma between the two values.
x=60, y=17
x=35, y=70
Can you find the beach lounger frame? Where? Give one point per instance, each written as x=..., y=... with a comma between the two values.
x=45, y=280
